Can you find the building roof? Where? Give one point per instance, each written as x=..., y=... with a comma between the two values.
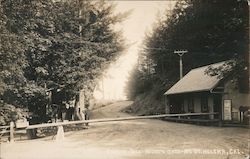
x=196, y=81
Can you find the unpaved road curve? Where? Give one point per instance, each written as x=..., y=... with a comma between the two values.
x=136, y=139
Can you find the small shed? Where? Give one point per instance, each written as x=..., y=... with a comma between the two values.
x=198, y=92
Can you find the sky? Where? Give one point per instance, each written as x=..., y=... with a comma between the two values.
x=144, y=14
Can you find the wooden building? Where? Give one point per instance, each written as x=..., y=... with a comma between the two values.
x=199, y=92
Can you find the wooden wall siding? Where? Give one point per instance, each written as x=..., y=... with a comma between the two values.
x=197, y=104
x=238, y=99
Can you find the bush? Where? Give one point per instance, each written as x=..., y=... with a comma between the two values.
x=11, y=113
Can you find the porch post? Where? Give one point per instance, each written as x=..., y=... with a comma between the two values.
x=211, y=106
x=167, y=106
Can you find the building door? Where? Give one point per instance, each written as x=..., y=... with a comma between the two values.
x=218, y=106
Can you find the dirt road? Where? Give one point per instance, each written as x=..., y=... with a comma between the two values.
x=137, y=139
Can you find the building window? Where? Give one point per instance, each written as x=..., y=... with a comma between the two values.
x=204, y=104
x=191, y=105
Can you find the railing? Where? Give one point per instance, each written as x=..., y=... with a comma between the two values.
x=61, y=124
x=4, y=130
x=116, y=119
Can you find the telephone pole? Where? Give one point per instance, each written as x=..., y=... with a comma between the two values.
x=181, y=53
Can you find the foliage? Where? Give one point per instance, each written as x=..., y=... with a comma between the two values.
x=10, y=113
x=12, y=63
x=12, y=58
x=60, y=49
x=211, y=31
x=138, y=84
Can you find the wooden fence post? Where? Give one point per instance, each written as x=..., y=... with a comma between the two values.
x=12, y=131
x=60, y=133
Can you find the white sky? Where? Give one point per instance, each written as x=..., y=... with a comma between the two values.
x=141, y=20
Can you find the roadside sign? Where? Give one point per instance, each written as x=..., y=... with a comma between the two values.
x=22, y=123
x=227, y=109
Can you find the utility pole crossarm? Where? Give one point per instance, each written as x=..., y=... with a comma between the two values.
x=180, y=52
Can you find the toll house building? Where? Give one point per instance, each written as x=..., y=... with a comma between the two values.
x=198, y=92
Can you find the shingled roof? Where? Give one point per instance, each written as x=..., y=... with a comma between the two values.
x=196, y=81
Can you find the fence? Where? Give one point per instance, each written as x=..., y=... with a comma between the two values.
x=61, y=124
x=4, y=129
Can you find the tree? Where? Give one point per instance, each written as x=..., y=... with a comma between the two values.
x=138, y=84
x=12, y=62
x=211, y=30
x=65, y=51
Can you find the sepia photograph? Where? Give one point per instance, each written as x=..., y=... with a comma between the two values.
x=124, y=79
